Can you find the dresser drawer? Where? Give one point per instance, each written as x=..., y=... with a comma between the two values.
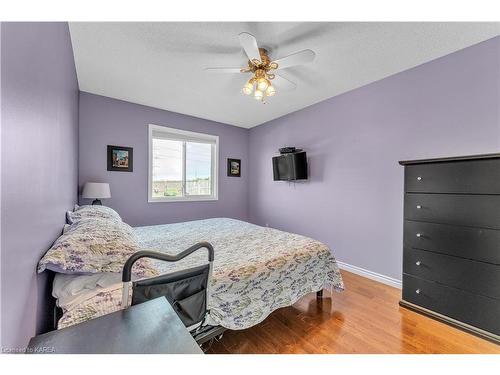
x=475, y=277
x=472, y=176
x=470, y=210
x=475, y=310
x=466, y=242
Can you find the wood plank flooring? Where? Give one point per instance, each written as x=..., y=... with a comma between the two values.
x=366, y=318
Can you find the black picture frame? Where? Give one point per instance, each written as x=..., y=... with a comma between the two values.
x=232, y=170
x=113, y=166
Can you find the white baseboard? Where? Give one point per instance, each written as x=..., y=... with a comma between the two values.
x=370, y=274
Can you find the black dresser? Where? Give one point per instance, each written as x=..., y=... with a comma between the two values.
x=451, y=246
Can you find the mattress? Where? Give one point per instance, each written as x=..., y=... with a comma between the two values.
x=256, y=270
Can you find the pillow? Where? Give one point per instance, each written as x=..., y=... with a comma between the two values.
x=68, y=289
x=99, y=212
x=93, y=245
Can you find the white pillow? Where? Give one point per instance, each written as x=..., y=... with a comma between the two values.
x=70, y=288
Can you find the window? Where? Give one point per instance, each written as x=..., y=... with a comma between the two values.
x=182, y=165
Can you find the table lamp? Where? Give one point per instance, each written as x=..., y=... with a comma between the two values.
x=96, y=191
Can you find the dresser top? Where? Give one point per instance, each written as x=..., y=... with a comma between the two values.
x=450, y=159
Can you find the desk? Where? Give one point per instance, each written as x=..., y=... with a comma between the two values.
x=147, y=328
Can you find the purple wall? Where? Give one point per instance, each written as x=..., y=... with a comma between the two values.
x=105, y=121
x=39, y=169
x=353, y=199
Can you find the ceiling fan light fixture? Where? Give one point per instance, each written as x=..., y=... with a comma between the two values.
x=270, y=91
x=248, y=88
x=262, y=68
x=262, y=84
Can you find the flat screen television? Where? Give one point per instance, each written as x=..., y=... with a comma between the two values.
x=290, y=167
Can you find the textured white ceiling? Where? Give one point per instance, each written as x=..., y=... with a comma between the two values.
x=161, y=64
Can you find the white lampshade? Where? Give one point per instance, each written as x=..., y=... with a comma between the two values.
x=258, y=95
x=270, y=91
x=248, y=88
x=96, y=190
x=262, y=84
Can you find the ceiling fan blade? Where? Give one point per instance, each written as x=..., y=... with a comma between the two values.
x=297, y=58
x=224, y=70
x=283, y=83
x=249, y=44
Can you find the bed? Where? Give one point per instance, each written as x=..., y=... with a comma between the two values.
x=256, y=271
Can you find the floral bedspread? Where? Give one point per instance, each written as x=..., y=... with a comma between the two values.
x=256, y=270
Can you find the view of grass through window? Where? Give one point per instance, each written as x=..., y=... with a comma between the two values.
x=169, y=162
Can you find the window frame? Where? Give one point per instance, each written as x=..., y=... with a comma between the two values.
x=193, y=136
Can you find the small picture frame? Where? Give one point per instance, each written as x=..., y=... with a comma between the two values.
x=120, y=159
x=234, y=167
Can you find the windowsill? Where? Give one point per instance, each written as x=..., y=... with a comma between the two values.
x=182, y=199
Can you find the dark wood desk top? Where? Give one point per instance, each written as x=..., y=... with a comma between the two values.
x=150, y=327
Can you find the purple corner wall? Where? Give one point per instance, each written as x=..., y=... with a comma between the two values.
x=39, y=170
x=105, y=121
x=353, y=199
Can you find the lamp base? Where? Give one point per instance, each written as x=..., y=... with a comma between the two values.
x=97, y=202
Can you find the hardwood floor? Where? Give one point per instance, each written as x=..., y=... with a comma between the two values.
x=366, y=318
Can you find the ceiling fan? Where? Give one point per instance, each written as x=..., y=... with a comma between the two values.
x=263, y=69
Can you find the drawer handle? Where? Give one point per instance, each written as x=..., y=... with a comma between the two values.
x=417, y=291
x=419, y=178
x=419, y=207
x=419, y=235
x=418, y=263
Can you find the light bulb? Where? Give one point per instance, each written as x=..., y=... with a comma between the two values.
x=248, y=88
x=258, y=95
x=262, y=84
x=270, y=91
